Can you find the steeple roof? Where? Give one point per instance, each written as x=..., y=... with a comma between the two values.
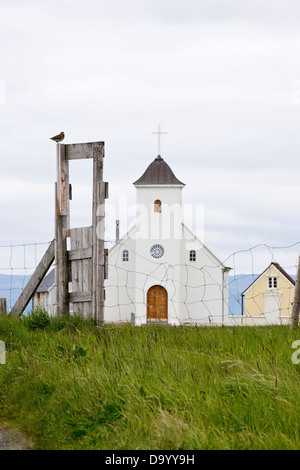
x=158, y=172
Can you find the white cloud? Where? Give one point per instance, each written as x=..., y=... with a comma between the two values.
x=220, y=77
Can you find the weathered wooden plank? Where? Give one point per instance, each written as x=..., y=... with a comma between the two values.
x=87, y=263
x=34, y=281
x=80, y=296
x=63, y=187
x=81, y=246
x=3, y=305
x=117, y=230
x=82, y=151
x=106, y=190
x=106, y=263
x=99, y=192
x=82, y=253
x=75, y=266
x=62, y=223
x=62, y=269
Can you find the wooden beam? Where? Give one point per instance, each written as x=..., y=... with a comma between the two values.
x=106, y=190
x=63, y=187
x=34, y=281
x=80, y=296
x=82, y=151
x=105, y=263
x=83, y=253
x=98, y=213
x=62, y=225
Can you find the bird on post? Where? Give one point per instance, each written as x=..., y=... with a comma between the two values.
x=58, y=138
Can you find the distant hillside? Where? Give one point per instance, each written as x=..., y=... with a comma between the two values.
x=11, y=287
x=237, y=285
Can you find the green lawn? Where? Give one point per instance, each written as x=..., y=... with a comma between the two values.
x=71, y=385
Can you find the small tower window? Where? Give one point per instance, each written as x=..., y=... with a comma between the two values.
x=157, y=205
x=125, y=255
x=192, y=255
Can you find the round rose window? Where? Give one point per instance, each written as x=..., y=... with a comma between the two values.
x=157, y=251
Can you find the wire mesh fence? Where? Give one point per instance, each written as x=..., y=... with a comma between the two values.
x=257, y=288
x=17, y=263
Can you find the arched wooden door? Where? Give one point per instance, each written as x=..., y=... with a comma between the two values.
x=157, y=304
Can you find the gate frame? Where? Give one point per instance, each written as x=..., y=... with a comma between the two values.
x=63, y=193
x=57, y=250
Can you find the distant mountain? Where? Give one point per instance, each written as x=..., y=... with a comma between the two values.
x=237, y=285
x=11, y=288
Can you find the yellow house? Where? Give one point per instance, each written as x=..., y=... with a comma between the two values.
x=268, y=300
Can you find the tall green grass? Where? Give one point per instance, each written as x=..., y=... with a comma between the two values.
x=72, y=385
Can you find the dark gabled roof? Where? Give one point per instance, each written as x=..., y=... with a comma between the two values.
x=47, y=282
x=284, y=273
x=277, y=265
x=158, y=172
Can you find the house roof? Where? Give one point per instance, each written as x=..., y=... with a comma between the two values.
x=158, y=172
x=279, y=268
x=47, y=282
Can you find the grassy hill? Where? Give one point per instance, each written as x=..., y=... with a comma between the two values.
x=71, y=385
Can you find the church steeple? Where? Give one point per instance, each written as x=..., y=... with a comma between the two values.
x=158, y=172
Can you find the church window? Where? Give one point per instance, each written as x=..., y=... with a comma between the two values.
x=157, y=205
x=125, y=255
x=157, y=251
x=192, y=255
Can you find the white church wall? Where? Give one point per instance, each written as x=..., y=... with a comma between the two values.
x=120, y=284
x=204, y=286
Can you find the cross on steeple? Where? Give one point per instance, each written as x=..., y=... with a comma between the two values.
x=159, y=133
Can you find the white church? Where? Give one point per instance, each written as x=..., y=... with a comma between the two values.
x=160, y=272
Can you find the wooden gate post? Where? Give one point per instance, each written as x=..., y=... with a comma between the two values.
x=62, y=221
x=99, y=195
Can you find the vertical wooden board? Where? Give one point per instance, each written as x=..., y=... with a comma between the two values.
x=75, y=266
x=81, y=238
x=63, y=187
x=99, y=192
x=62, y=217
x=86, y=264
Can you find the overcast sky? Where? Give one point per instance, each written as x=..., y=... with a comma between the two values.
x=221, y=77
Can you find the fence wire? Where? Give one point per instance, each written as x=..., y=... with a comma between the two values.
x=196, y=293
x=17, y=263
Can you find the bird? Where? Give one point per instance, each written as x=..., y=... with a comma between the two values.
x=59, y=137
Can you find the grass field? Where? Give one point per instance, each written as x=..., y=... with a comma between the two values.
x=71, y=385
